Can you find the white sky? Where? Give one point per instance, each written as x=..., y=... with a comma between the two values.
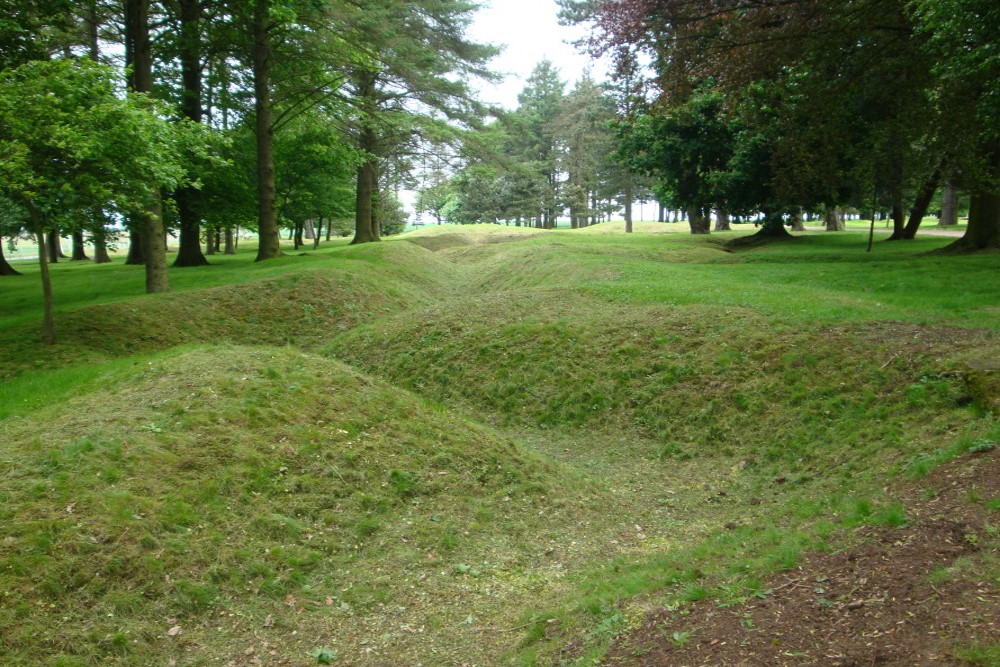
x=531, y=31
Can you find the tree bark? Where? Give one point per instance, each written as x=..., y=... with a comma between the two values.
x=834, y=223
x=629, y=194
x=134, y=257
x=100, y=237
x=364, y=219
x=773, y=226
x=154, y=250
x=722, y=221
x=949, y=204
x=267, y=221
x=139, y=51
x=363, y=204
x=698, y=221
x=5, y=268
x=920, y=206
x=79, y=250
x=230, y=242
x=48, y=319
x=983, y=231
x=52, y=247
x=796, y=220
x=189, y=246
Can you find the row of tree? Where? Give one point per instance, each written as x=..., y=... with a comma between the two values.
x=555, y=155
x=195, y=116
x=772, y=108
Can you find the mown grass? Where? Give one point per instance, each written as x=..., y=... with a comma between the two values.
x=291, y=300
x=217, y=481
x=565, y=428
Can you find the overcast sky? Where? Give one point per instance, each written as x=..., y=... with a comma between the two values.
x=530, y=30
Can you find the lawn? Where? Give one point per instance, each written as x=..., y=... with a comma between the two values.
x=486, y=444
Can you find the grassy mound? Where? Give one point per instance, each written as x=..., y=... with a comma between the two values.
x=698, y=381
x=312, y=298
x=247, y=494
x=669, y=422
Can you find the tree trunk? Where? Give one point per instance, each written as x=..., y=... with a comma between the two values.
x=833, y=221
x=139, y=54
x=920, y=205
x=363, y=204
x=376, y=203
x=949, y=204
x=154, y=249
x=897, y=213
x=100, y=237
x=661, y=216
x=983, y=232
x=329, y=228
x=318, y=233
x=698, y=221
x=629, y=194
x=48, y=319
x=796, y=220
x=189, y=247
x=267, y=221
x=364, y=219
x=79, y=250
x=297, y=238
x=52, y=246
x=209, y=242
x=134, y=257
x=722, y=221
x=230, y=242
x=5, y=268
x=773, y=226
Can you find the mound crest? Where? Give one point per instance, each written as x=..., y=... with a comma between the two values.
x=222, y=478
x=299, y=308
x=698, y=380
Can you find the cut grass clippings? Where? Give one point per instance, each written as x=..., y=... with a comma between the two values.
x=539, y=436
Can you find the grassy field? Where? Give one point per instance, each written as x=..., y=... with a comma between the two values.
x=481, y=445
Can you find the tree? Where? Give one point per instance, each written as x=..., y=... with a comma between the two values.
x=685, y=150
x=582, y=132
x=415, y=71
x=139, y=56
x=69, y=143
x=961, y=38
x=533, y=139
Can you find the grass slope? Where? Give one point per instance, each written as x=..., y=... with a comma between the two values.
x=215, y=488
x=566, y=428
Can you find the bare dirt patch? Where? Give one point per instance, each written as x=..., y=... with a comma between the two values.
x=912, y=595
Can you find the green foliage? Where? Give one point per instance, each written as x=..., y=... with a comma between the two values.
x=685, y=149
x=70, y=143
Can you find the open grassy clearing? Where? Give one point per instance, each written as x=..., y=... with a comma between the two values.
x=622, y=422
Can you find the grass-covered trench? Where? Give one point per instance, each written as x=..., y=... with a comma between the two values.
x=480, y=445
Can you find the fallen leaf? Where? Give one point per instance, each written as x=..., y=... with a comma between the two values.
x=269, y=621
x=174, y=631
x=290, y=600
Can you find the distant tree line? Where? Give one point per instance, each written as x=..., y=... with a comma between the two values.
x=197, y=118
x=885, y=106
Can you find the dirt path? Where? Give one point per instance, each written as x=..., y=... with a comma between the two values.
x=930, y=231
x=917, y=595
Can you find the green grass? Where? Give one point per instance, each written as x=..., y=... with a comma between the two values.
x=467, y=444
